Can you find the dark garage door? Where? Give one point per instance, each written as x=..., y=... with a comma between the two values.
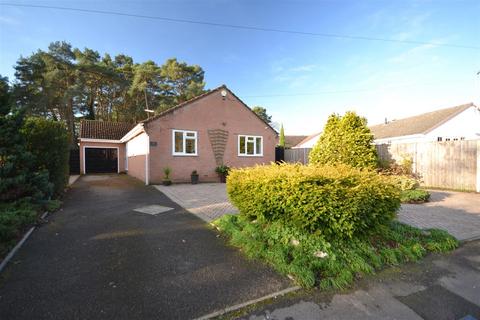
x=101, y=160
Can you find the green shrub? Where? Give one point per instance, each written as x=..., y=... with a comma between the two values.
x=48, y=141
x=19, y=176
x=414, y=196
x=345, y=140
x=404, y=182
x=311, y=259
x=14, y=216
x=334, y=201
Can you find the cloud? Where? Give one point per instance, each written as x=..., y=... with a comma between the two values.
x=304, y=68
x=413, y=53
x=9, y=21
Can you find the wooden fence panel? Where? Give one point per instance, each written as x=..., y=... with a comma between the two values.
x=451, y=164
x=299, y=155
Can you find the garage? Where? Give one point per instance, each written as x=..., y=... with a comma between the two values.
x=101, y=148
x=101, y=160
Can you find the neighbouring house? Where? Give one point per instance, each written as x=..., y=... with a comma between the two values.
x=291, y=141
x=200, y=134
x=308, y=142
x=450, y=124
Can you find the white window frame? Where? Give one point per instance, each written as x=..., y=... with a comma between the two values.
x=255, y=154
x=184, y=133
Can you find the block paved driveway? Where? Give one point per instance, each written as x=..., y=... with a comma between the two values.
x=456, y=212
x=100, y=259
x=208, y=201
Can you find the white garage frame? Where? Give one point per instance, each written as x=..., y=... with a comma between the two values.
x=99, y=147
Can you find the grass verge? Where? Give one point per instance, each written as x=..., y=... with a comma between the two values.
x=311, y=260
x=414, y=196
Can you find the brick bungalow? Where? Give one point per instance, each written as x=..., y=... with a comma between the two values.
x=199, y=134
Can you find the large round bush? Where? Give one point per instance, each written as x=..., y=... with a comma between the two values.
x=336, y=201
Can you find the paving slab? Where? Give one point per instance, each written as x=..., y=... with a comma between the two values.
x=97, y=258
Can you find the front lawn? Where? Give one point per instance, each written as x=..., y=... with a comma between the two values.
x=312, y=260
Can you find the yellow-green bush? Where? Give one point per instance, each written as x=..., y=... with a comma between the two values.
x=404, y=182
x=335, y=201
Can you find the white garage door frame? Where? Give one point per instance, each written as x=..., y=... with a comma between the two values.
x=101, y=147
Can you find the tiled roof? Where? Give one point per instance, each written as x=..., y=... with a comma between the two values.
x=95, y=129
x=420, y=124
x=292, y=141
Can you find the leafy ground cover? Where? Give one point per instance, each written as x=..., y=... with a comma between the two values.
x=16, y=217
x=312, y=260
x=414, y=196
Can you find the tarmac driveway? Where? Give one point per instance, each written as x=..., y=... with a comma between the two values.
x=100, y=259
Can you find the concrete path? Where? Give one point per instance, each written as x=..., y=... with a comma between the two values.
x=97, y=258
x=208, y=201
x=72, y=179
x=456, y=212
x=441, y=287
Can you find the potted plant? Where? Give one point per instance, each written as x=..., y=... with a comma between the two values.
x=222, y=172
x=166, y=178
x=194, y=177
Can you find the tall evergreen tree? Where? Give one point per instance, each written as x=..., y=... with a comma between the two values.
x=262, y=113
x=281, y=142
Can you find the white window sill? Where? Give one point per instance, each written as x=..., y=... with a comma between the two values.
x=251, y=155
x=184, y=155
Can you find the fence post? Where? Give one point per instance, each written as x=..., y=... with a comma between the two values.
x=478, y=165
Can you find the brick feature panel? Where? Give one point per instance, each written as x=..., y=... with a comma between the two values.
x=218, y=140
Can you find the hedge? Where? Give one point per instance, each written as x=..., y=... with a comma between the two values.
x=48, y=141
x=335, y=201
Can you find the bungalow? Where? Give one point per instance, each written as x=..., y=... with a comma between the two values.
x=200, y=134
x=450, y=124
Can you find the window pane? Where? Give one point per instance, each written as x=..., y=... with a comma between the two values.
x=242, y=145
x=250, y=147
x=190, y=134
x=259, y=145
x=190, y=146
x=178, y=141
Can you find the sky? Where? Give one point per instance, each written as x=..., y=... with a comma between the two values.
x=301, y=79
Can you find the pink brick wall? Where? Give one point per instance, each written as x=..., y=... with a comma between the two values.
x=136, y=167
x=121, y=152
x=210, y=112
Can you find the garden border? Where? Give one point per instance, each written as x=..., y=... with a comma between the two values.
x=17, y=247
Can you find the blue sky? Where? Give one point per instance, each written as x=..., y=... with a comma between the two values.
x=300, y=79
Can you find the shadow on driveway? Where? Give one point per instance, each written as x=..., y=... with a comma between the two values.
x=99, y=259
